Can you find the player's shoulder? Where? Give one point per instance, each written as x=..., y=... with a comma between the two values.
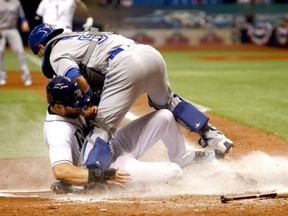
x=15, y=2
x=56, y=119
x=78, y=1
x=46, y=2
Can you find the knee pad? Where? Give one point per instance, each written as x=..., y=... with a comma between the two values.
x=189, y=116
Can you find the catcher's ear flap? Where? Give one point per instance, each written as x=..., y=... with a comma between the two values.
x=99, y=156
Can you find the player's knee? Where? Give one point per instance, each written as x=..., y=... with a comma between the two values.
x=188, y=115
x=157, y=106
x=165, y=115
x=175, y=172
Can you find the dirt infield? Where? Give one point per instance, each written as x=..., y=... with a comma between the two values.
x=196, y=196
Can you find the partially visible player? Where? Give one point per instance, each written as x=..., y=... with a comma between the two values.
x=60, y=13
x=12, y=14
x=64, y=132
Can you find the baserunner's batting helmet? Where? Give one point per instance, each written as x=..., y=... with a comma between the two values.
x=63, y=90
x=41, y=34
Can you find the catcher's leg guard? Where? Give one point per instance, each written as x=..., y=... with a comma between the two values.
x=184, y=112
x=99, y=156
x=189, y=116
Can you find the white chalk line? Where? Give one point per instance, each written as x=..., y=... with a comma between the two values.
x=67, y=199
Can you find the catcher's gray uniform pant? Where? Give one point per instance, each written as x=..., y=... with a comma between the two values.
x=136, y=70
x=14, y=40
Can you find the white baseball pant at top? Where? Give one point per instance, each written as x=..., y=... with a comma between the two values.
x=134, y=139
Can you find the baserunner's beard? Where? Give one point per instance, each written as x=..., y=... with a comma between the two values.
x=73, y=115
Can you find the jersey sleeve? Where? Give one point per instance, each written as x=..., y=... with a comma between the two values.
x=61, y=65
x=62, y=61
x=62, y=143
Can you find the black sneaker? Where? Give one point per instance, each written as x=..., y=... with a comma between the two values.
x=61, y=187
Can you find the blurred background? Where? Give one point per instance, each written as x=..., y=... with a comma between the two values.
x=186, y=22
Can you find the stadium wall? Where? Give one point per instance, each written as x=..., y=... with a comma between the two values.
x=183, y=37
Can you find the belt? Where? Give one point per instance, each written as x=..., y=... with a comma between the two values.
x=120, y=49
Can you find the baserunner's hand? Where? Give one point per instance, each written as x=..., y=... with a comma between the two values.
x=90, y=112
x=120, y=179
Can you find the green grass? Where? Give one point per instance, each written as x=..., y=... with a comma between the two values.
x=22, y=117
x=11, y=62
x=252, y=93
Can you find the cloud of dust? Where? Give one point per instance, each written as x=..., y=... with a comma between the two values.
x=254, y=172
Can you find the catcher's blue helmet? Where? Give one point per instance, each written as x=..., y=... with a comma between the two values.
x=41, y=34
x=63, y=90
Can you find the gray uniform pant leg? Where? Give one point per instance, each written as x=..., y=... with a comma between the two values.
x=15, y=41
x=2, y=50
x=129, y=75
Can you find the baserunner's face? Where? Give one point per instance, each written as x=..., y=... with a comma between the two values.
x=72, y=112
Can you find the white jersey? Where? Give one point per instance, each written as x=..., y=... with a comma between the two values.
x=64, y=138
x=58, y=13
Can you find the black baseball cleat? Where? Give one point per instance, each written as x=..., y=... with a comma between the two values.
x=61, y=187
